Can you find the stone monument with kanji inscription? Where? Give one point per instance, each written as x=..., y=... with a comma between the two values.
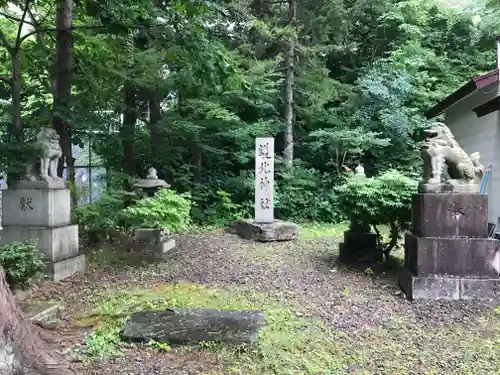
x=38, y=207
x=264, y=227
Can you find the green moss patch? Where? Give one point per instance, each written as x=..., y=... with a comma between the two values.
x=289, y=344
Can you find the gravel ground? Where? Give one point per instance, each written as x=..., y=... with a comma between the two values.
x=369, y=310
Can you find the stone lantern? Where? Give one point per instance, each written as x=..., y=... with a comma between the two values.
x=151, y=184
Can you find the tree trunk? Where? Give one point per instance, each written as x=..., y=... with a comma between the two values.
x=261, y=8
x=17, y=130
x=154, y=131
x=29, y=347
x=127, y=130
x=64, y=70
x=289, y=90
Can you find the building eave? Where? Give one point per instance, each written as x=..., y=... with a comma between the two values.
x=473, y=85
x=488, y=107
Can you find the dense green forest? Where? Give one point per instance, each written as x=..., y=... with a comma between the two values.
x=186, y=86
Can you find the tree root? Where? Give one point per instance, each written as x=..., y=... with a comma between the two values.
x=29, y=341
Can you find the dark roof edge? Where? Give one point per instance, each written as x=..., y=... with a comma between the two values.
x=488, y=107
x=474, y=84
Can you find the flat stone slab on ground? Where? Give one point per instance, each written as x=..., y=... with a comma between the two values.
x=276, y=231
x=444, y=287
x=190, y=326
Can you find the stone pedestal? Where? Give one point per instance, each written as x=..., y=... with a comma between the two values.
x=154, y=240
x=359, y=247
x=43, y=215
x=448, y=255
x=265, y=232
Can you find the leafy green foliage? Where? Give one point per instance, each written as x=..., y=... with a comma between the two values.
x=167, y=209
x=186, y=86
x=307, y=195
x=341, y=147
x=218, y=209
x=23, y=263
x=381, y=200
x=101, y=217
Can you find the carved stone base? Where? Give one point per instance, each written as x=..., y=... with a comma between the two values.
x=275, y=231
x=449, y=187
x=439, y=287
x=158, y=242
x=57, y=243
x=38, y=184
x=464, y=257
x=56, y=271
x=450, y=215
x=36, y=207
x=359, y=247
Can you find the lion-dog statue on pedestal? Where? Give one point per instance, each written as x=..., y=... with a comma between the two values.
x=447, y=167
x=49, y=152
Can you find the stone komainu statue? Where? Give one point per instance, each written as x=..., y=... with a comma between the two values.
x=447, y=167
x=48, y=154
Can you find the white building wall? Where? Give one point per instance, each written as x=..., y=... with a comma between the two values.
x=480, y=135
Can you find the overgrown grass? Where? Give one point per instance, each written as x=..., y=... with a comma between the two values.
x=311, y=231
x=288, y=345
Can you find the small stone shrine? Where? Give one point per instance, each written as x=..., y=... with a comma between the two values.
x=38, y=207
x=151, y=184
x=448, y=255
x=264, y=227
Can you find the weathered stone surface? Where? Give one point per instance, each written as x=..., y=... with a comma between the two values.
x=466, y=257
x=39, y=184
x=36, y=207
x=450, y=215
x=275, y=231
x=56, y=271
x=151, y=184
x=480, y=289
x=189, y=326
x=359, y=247
x=429, y=287
x=150, y=235
x=57, y=244
x=154, y=240
x=448, y=288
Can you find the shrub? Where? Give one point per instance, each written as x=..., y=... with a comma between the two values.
x=217, y=208
x=22, y=262
x=167, y=209
x=381, y=200
x=101, y=217
x=307, y=195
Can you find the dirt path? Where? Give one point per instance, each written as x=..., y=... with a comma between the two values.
x=383, y=332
